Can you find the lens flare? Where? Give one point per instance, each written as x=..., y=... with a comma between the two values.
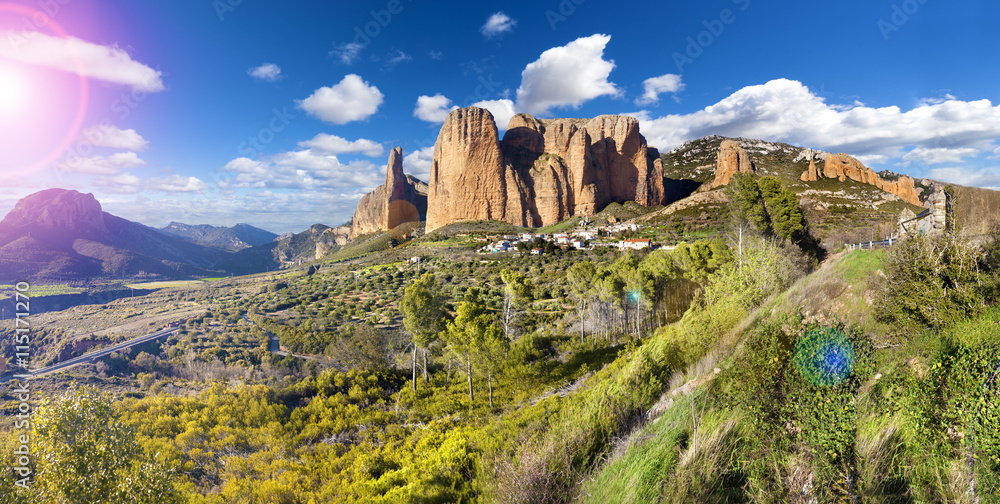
x=824, y=356
x=14, y=88
x=12, y=91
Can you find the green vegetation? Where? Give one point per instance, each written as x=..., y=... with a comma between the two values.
x=727, y=369
x=38, y=291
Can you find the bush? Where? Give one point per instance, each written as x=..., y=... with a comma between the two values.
x=932, y=282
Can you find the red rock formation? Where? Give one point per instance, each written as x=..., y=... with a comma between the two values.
x=843, y=167
x=400, y=200
x=542, y=172
x=810, y=175
x=732, y=159
x=468, y=178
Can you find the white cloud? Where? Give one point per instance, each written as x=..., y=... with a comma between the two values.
x=126, y=183
x=332, y=144
x=938, y=155
x=126, y=179
x=989, y=178
x=103, y=165
x=245, y=165
x=787, y=111
x=348, y=53
x=303, y=169
x=654, y=86
x=107, y=63
x=567, y=76
x=502, y=110
x=278, y=211
x=352, y=99
x=497, y=25
x=935, y=101
x=266, y=72
x=106, y=135
x=397, y=57
x=433, y=109
x=418, y=163
x=177, y=184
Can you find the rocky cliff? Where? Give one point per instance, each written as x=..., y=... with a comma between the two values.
x=400, y=200
x=732, y=159
x=541, y=172
x=843, y=167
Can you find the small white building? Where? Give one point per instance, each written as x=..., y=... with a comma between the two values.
x=635, y=244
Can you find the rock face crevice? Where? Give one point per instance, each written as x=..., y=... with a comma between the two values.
x=541, y=172
x=401, y=199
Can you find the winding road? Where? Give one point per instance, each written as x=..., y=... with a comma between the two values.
x=92, y=356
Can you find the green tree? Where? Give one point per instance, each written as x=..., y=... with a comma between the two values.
x=423, y=317
x=581, y=276
x=746, y=204
x=516, y=292
x=637, y=287
x=474, y=337
x=782, y=207
x=700, y=259
x=85, y=453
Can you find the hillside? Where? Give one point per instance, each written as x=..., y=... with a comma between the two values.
x=838, y=211
x=64, y=235
x=672, y=376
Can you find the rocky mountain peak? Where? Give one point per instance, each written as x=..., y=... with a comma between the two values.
x=56, y=209
x=399, y=200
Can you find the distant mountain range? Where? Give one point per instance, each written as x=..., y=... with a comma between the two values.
x=233, y=239
x=64, y=235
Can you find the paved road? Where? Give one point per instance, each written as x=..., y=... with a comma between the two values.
x=92, y=356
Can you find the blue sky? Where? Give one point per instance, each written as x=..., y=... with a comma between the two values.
x=282, y=114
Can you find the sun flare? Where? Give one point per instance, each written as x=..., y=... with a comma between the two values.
x=13, y=91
